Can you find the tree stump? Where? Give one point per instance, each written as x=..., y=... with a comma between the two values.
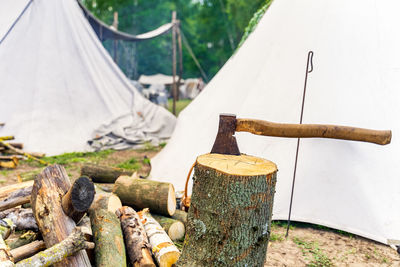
x=230, y=213
x=47, y=192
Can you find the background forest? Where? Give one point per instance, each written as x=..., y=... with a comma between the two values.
x=213, y=29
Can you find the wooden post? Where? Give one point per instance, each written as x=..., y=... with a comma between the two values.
x=178, y=31
x=48, y=189
x=115, y=42
x=230, y=213
x=174, y=93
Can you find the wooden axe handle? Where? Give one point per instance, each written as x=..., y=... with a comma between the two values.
x=267, y=128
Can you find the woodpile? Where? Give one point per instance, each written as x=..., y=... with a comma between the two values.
x=78, y=224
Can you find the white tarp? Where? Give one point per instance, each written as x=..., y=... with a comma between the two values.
x=356, y=79
x=58, y=84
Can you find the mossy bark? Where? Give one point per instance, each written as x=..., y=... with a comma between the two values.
x=103, y=174
x=230, y=213
x=174, y=228
x=180, y=215
x=159, y=197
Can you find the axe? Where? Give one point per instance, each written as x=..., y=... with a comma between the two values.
x=225, y=142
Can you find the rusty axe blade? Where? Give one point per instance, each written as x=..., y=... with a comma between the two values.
x=225, y=142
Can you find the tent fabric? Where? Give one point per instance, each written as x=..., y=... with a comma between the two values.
x=345, y=185
x=105, y=32
x=10, y=12
x=60, y=88
x=158, y=78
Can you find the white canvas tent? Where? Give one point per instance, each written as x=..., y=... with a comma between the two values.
x=346, y=185
x=58, y=86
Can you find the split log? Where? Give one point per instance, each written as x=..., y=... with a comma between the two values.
x=22, y=240
x=6, y=259
x=139, y=193
x=60, y=252
x=9, y=164
x=27, y=250
x=180, y=215
x=16, y=198
x=230, y=214
x=174, y=228
x=7, y=190
x=103, y=174
x=49, y=187
x=136, y=240
x=107, y=232
x=164, y=250
x=78, y=199
x=23, y=219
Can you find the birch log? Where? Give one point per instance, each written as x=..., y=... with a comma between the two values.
x=49, y=187
x=164, y=250
x=136, y=240
x=174, y=228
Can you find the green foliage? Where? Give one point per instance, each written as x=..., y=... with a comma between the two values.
x=180, y=105
x=276, y=237
x=131, y=164
x=74, y=157
x=312, y=247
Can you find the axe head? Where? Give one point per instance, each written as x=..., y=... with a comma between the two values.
x=225, y=142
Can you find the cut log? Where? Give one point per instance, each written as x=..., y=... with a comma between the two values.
x=164, y=250
x=136, y=240
x=22, y=240
x=23, y=219
x=139, y=193
x=78, y=199
x=16, y=198
x=9, y=164
x=16, y=145
x=7, y=190
x=73, y=244
x=6, y=258
x=103, y=174
x=174, y=228
x=27, y=250
x=49, y=187
x=107, y=232
x=230, y=213
x=180, y=215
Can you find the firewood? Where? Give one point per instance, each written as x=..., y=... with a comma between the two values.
x=9, y=189
x=18, y=157
x=20, y=152
x=78, y=199
x=159, y=197
x=103, y=174
x=16, y=145
x=2, y=124
x=23, y=219
x=6, y=228
x=9, y=164
x=136, y=240
x=164, y=250
x=230, y=213
x=180, y=215
x=60, y=252
x=174, y=228
x=27, y=250
x=107, y=232
x=7, y=138
x=6, y=258
x=49, y=187
x=18, y=197
x=22, y=240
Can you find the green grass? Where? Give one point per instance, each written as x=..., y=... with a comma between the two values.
x=75, y=157
x=180, y=105
x=312, y=247
x=276, y=237
x=131, y=164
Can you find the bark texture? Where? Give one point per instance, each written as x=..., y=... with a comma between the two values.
x=230, y=213
x=23, y=219
x=6, y=258
x=27, y=250
x=107, y=232
x=136, y=240
x=174, y=228
x=139, y=193
x=103, y=174
x=49, y=188
x=16, y=198
x=9, y=189
x=180, y=215
x=22, y=240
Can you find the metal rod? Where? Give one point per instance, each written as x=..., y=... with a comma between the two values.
x=308, y=70
x=174, y=93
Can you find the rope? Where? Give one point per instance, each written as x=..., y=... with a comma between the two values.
x=186, y=199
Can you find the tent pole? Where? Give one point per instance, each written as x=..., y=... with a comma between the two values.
x=115, y=42
x=308, y=70
x=178, y=31
x=174, y=93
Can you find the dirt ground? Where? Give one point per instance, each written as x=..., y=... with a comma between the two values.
x=307, y=245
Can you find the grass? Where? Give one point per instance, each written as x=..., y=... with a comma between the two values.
x=180, y=105
x=74, y=157
x=131, y=164
x=276, y=237
x=320, y=259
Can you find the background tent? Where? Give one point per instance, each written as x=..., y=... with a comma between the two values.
x=345, y=185
x=60, y=88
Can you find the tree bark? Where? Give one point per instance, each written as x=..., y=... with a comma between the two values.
x=16, y=198
x=157, y=196
x=22, y=240
x=107, y=233
x=103, y=174
x=136, y=240
x=78, y=199
x=164, y=250
x=23, y=219
x=6, y=258
x=230, y=213
x=9, y=189
x=73, y=244
x=180, y=215
x=27, y=250
x=174, y=228
x=49, y=187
